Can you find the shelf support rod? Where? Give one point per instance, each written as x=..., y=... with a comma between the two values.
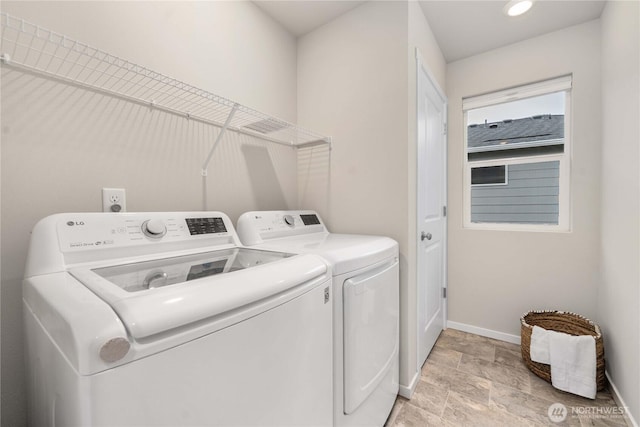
x=206, y=162
x=220, y=135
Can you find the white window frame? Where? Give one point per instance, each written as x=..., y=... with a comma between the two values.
x=560, y=84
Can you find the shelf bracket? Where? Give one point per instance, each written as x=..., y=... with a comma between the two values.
x=220, y=135
x=215, y=144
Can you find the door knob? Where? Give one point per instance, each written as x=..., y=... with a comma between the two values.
x=424, y=235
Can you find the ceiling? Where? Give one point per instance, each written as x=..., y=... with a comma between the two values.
x=466, y=28
x=300, y=17
x=462, y=28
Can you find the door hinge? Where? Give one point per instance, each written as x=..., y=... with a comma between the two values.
x=444, y=211
x=444, y=292
x=444, y=128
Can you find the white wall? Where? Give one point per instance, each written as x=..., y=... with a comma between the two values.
x=619, y=291
x=230, y=48
x=352, y=86
x=496, y=276
x=62, y=144
x=356, y=82
x=421, y=36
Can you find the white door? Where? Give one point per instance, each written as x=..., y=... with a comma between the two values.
x=431, y=226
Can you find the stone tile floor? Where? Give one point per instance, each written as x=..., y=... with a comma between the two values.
x=469, y=380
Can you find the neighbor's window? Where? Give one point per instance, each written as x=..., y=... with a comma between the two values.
x=489, y=175
x=517, y=157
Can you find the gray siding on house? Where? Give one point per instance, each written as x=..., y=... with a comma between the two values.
x=530, y=196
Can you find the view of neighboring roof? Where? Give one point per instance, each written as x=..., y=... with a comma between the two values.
x=543, y=129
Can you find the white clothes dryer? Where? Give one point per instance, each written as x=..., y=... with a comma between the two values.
x=163, y=319
x=366, y=306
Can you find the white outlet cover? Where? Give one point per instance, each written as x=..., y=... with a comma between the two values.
x=112, y=198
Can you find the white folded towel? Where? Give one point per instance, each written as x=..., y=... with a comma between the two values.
x=573, y=363
x=539, y=350
x=572, y=360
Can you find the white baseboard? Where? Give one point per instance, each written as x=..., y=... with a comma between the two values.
x=616, y=396
x=514, y=339
x=407, y=391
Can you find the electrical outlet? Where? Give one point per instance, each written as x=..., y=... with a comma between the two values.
x=114, y=200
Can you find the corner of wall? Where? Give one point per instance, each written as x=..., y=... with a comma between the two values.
x=618, y=302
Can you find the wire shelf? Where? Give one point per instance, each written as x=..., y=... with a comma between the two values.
x=30, y=47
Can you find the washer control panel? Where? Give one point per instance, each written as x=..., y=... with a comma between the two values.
x=78, y=232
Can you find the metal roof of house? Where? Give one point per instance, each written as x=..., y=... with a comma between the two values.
x=537, y=130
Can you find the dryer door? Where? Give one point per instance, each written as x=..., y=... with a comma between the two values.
x=371, y=322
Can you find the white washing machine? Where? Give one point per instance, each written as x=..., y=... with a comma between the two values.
x=366, y=307
x=162, y=319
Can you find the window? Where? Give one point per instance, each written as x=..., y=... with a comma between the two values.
x=517, y=157
x=489, y=175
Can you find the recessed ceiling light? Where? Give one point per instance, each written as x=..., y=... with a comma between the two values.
x=517, y=7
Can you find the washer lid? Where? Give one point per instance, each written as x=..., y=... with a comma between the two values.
x=345, y=252
x=162, y=294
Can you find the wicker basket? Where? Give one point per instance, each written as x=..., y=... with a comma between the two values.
x=569, y=323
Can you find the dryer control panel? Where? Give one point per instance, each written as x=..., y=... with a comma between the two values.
x=260, y=226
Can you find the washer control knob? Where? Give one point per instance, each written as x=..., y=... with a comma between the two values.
x=154, y=228
x=288, y=219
